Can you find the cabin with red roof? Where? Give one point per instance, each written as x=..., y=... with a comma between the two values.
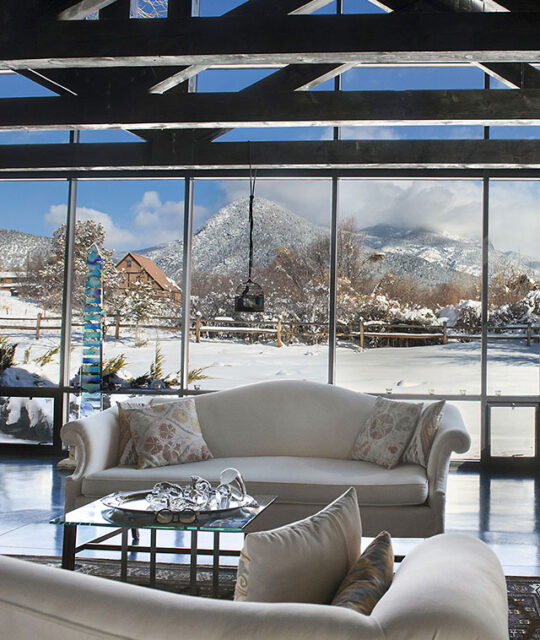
x=136, y=267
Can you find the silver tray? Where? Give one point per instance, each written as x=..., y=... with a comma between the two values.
x=136, y=502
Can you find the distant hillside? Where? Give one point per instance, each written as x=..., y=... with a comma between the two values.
x=16, y=247
x=222, y=243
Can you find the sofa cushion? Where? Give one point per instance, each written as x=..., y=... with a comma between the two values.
x=303, y=561
x=315, y=481
x=369, y=578
x=283, y=418
x=386, y=432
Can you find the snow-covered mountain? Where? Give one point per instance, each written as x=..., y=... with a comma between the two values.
x=438, y=257
x=222, y=243
x=16, y=247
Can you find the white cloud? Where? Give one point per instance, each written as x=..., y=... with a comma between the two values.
x=451, y=206
x=152, y=222
x=117, y=237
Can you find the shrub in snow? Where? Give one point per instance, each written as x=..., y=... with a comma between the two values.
x=466, y=316
x=26, y=418
x=521, y=312
x=7, y=354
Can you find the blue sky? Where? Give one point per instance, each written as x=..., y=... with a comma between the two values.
x=144, y=212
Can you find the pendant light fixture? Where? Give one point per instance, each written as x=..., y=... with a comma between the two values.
x=249, y=295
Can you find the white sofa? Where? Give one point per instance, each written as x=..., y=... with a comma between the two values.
x=291, y=439
x=450, y=587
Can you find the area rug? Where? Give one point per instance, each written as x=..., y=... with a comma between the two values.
x=523, y=593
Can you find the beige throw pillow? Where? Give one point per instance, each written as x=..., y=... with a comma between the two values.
x=386, y=432
x=304, y=561
x=417, y=451
x=167, y=433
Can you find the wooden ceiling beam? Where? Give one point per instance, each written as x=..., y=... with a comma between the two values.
x=361, y=154
x=514, y=75
x=423, y=37
x=80, y=10
x=251, y=7
x=320, y=108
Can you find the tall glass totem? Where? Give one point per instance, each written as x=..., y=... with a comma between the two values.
x=91, y=368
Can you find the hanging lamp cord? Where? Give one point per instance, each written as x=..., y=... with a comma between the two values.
x=252, y=179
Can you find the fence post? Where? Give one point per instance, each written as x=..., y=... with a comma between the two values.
x=279, y=343
x=117, y=327
x=38, y=325
x=445, y=332
x=198, y=328
x=361, y=334
x=529, y=334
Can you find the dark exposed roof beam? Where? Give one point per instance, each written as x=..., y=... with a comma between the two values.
x=519, y=5
x=321, y=108
x=516, y=76
x=482, y=37
x=472, y=6
x=368, y=154
x=513, y=74
x=291, y=7
x=82, y=9
x=250, y=7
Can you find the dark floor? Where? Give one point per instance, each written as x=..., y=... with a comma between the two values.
x=502, y=510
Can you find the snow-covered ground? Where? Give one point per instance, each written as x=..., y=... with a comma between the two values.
x=428, y=370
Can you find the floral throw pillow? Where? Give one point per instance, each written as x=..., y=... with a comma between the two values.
x=167, y=433
x=386, y=432
x=369, y=578
x=417, y=451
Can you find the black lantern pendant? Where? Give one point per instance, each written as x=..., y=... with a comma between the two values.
x=250, y=296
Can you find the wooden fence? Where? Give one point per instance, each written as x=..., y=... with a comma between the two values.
x=372, y=333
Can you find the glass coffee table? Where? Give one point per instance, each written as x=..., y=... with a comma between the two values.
x=98, y=514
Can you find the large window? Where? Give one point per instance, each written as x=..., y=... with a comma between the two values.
x=31, y=291
x=137, y=230
x=289, y=339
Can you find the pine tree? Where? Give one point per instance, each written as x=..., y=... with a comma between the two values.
x=45, y=281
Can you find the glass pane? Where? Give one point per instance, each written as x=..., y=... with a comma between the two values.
x=126, y=291
x=288, y=339
x=26, y=420
x=31, y=284
x=512, y=431
x=514, y=283
x=470, y=412
x=408, y=299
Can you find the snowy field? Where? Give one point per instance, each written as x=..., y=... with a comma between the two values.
x=428, y=370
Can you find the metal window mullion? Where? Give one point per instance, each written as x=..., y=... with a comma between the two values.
x=485, y=445
x=186, y=281
x=67, y=298
x=332, y=285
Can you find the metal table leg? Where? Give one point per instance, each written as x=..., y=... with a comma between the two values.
x=153, y=533
x=68, y=546
x=215, y=566
x=123, y=556
x=193, y=564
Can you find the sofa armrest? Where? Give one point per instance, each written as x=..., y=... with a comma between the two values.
x=450, y=587
x=38, y=601
x=452, y=435
x=95, y=439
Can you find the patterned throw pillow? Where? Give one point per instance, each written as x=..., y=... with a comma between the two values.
x=167, y=433
x=126, y=446
x=417, y=451
x=386, y=432
x=369, y=578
